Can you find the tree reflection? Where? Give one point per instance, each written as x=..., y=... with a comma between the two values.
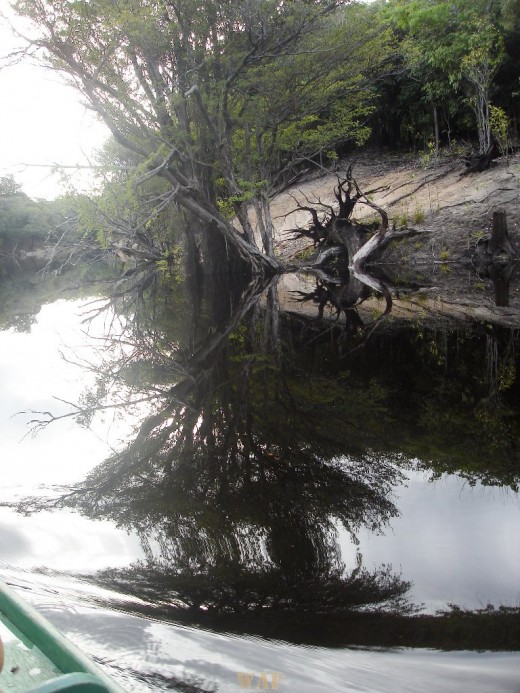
x=465, y=404
x=344, y=295
x=239, y=478
x=25, y=288
x=263, y=446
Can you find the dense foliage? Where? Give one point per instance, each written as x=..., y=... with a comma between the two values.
x=24, y=223
x=453, y=61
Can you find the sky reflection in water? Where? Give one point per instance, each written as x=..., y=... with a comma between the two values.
x=456, y=543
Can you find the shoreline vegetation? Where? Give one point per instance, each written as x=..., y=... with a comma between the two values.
x=217, y=110
x=226, y=122
x=443, y=222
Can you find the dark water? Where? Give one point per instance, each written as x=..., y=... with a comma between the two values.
x=238, y=485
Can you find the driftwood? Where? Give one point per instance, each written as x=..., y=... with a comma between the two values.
x=332, y=229
x=333, y=226
x=476, y=163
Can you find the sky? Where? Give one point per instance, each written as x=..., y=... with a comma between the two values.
x=42, y=123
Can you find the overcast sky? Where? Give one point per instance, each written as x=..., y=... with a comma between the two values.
x=42, y=121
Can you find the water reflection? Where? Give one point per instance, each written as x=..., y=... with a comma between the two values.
x=260, y=436
x=343, y=296
x=237, y=479
x=501, y=277
x=25, y=287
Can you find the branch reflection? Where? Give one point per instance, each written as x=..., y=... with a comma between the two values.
x=262, y=447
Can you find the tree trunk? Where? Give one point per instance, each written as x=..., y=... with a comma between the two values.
x=265, y=224
x=345, y=233
x=499, y=243
x=436, y=129
x=243, y=219
x=188, y=199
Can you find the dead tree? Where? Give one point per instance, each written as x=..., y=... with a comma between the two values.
x=334, y=226
x=476, y=163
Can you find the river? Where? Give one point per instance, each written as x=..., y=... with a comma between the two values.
x=251, y=495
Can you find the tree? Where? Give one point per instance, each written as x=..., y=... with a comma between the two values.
x=24, y=223
x=450, y=48
x=430, y=57
x=479, y=66
x=185, y=86
x=8, y=186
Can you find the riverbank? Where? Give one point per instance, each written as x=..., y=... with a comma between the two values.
x=452, y=215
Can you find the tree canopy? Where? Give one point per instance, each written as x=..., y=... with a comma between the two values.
x=228, y=103
x=221, y=100
x=453, y=52
x=25, y=223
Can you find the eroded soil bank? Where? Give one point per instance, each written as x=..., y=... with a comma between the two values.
x=444, y=262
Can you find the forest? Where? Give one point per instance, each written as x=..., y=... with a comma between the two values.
x=215, y=108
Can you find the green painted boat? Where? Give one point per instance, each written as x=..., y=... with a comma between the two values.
x=38, y=658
